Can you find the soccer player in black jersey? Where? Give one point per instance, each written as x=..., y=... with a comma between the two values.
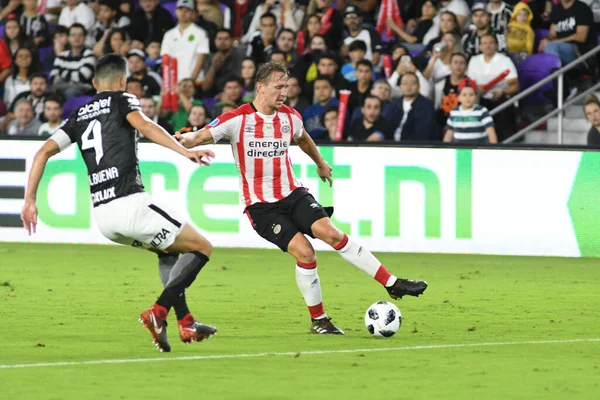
x=105, y=130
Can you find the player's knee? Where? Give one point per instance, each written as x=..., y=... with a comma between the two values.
x=205, y=247
x=305, y=254
x=330, y=235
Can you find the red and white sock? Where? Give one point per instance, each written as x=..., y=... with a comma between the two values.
x=364, y=260
x=310, y=287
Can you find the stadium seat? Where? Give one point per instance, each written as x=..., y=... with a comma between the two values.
x=539, y=35
x=45, y=52
x=532, y=70
x=1, y=31
x=171, y=7
x=74, y=103
x=209, y=103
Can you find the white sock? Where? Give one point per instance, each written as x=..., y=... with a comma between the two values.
x=364, y=260
x=310, y=287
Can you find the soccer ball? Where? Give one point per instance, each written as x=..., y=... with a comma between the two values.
x=383, y=319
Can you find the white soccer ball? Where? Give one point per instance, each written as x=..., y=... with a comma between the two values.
x=383, y=319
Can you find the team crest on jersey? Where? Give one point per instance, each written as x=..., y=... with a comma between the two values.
x=214, y=122
x=285, y=129
x=276, y=229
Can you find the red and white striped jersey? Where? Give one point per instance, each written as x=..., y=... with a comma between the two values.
x=260, y=146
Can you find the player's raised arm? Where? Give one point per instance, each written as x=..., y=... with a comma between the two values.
x=158, y=135
x=308, y=146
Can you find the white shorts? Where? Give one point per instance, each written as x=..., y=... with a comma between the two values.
x=140, y=221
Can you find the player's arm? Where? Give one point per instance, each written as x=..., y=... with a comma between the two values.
x=158, y=135
x=308, y=146
x=196, y=138
x=29, y=213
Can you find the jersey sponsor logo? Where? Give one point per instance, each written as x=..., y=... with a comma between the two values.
x=160, y=238
x=103, y=195
x=267, y=148
x=214, y=122
x=93, y=110
x=103, y=176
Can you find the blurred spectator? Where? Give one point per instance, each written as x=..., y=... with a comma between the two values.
x=151, y=81
x=25, y=123
x=481, y=20
x=113, y=41
x=196, y=119
x=448, y=24
x=149, y=23
x=149, y=110
x=484, y=68
x=211, y=12
x=248, y=73
x=233, y=89
x=53, y=114
x=154, y=60
x=10, y=8
x=501, y=14
x=36, y=97
x=77, y=11
x=186, y=91
x=135, y=87
x=329, y=118
x=210, y=28
x=187, y=42
x=460, y=8
x=287, y=14
x=73, y=69
x=397, y=51
x=306, y=68
x=228, y=107
x=285, y=44
x=362, y=87
x=569, y=36
x=277, y=56
x=34, y=24
x=356, y=51
x=406, y=64
x=227, y=60
x=262, y=41
x=592, y=113
x=323, y=89
x=446, y=90
x=53, y=9
x=240, y=15
x=366, y=9
x=15, y=36
x=109, y=17
x=312, y=26
x=439, y=63
x=5, y=61
x=329, y=66
x=295, y=99
x=520, y=36
x=331, y=22
x=383, y=91
x=372, y=127
x=356, y=31
x=414, y=40
x=414, y=118
x=60, y=40
x=469, y=122
x=24, y=66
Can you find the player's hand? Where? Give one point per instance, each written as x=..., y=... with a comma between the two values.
x=29, y=215
x=185, y=139
x=202, y=157
x=324, y=172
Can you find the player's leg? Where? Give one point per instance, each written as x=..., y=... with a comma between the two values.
x=309, y=284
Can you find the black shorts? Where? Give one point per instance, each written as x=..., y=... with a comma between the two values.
x=279, y=222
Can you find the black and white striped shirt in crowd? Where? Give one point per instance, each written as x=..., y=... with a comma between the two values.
x=470, y=124
x=71, y=68
x=36, y=27
x=470, y=42
x=499, y=19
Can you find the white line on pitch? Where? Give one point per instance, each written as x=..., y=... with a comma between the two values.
x=289, y=353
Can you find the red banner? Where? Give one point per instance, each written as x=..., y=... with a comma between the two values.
x=173, y=77
x=387, y=65
x=166, y=77
x=42, y=7
x=300, y=43
x=388, y=9
x=326, y=22
x=342, y=109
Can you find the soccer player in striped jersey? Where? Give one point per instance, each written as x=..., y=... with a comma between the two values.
x=280, y=209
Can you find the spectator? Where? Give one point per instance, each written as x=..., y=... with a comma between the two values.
x=241, y=15
x=484, y=68
x=406, y=64
x=295, y=99
x=53, y=114
x=262, y=41
x=135, y=87
x=323, y=89
x=312, y=26
x=60, y=40
x=36, y=96
x=210, y=28
x=186, y=92
x=5, y=61
x=233, y=87
x=187, y=42
x=569, y=36
x=24, y=66
x=481, y=20
x=73, y=69
x=149, y=23
x=329, y=66
x=592, y=113
x=149, y=109
x=329, y=118
x=519, y=35
x=366, y=9
x=154, y=60
x=460, y=8
x=414, y=41
x=277, y=56
x=196, y=119
x=52, y=10
x=362, y=87
x=248, y=73
x=501, y=14
x=383, y=91
x=34, y=24
x=109, y=17
x=285, y=44
x=151, y=81
x=113, y=41
x=356, y=31
x=228, y=107
x=446, y=90
x=15, y=36
x=331, y=22
x=469, y=122
x=356, y=51
x=439, y=64
x=211, y=12
x=226, y=61
x=372, y=127
x=397, y=51
x=448, y=24
x=285, y=13
x=306, y=67
x=415, y=119
x=77, y=12
x=25, y=123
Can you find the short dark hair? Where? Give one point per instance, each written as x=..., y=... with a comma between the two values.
x=60, y=30
x=269, y=15
x=287, y=30
x=38, y=75
x=365, y=63
x=330, y=56
x=323, y=78
x=357, y=45
x=591, y=99
x=370, y=96
x=494, y=38
x=133, y=80
x=78, y=25
x=56, y=98
x=327, y=110
x=110, y=67
x=224, y=30
x=264, y=72
x=409, y=74
x=464, y=56
x=278, y=52
x=232, y=78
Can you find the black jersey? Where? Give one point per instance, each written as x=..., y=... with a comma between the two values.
x=108, y=144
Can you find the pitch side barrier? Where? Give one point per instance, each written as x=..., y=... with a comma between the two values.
x=398, y=198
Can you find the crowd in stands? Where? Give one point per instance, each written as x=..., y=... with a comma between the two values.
x=433, y=74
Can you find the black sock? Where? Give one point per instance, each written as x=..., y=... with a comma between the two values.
x=182, y=275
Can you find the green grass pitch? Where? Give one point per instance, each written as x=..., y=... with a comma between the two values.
x=486, y=328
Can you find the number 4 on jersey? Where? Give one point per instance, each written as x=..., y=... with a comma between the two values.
x=92, y=139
